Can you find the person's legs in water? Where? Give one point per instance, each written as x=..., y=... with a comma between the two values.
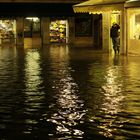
x=118, y=49
x=114, y=41
x=115, y=50
x=118, y=45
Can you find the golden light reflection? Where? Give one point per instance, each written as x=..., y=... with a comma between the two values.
x=113, y=97
x=70, y=106
x=59, y=52
x=134, y=72
x=112, y=91
x=33, y=96
x=32, y=81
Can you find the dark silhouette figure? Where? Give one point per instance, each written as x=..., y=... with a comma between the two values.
x=114, y=34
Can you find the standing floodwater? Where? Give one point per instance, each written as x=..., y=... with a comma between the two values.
x=62, y=93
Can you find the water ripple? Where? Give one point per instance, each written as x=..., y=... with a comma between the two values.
x=66, y=93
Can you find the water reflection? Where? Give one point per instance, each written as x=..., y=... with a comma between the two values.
x=33, y=94
x=116, y=59
x=70, y=110
x=113, y=99
x=106, y=96
x=68, y=93
x=112, y=90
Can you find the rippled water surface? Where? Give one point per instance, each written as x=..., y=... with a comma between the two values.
x=62, y=93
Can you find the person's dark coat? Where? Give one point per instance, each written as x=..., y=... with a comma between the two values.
x=114, y=31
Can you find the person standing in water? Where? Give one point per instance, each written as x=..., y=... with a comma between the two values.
x=114, y=34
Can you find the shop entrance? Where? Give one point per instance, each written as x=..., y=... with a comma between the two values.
x=58, y=31
x=7, y=31
x=32, y=32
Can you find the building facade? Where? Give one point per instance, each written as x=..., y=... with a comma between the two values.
x=133, y=26
x=111, y=11
x=43, y=22
x=124, y=12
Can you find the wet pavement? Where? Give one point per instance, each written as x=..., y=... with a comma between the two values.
x=62, y=93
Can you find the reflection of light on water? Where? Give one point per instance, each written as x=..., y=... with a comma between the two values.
x=32, y=80
x=70, y=107
x=59, y=52
x=133, y=87
x=112, y=91
x=32, y=73
x=67, y=98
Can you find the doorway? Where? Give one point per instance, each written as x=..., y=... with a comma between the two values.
x=97, y=31
x=32, y=32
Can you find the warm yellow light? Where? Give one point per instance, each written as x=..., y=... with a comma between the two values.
x=33, y=18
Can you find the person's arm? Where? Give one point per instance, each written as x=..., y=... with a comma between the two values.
x=118, y=26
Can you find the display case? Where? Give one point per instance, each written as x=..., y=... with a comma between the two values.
x=7, y=30
x=58, y=31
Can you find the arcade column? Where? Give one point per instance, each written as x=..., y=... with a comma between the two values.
x=20, y=31
x=71, y=23
x=45, y=30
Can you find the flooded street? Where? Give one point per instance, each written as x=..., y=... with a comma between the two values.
x=62, y=93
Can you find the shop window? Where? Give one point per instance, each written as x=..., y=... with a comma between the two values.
x=135, y=26
x=58, y=31
x=7, y=30
x=83, y=26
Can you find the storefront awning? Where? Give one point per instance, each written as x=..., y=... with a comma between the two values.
x=99, y=6
x=132, y=3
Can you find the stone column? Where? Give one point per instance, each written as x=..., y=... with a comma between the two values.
x=106, y=32
x=20, y=31
x=71, y=29
x=123, y=41
x=45, y=30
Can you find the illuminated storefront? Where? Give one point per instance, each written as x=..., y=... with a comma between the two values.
x=7, y=31
x=124, y=12
x=133, y=26
x=111, y=11
x=32, y=32
x=58, y=31
x=36, y=21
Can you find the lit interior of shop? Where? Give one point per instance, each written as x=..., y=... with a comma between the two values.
x=135, y=25
x=58, y=31
x=7, y=31
x=31, y=27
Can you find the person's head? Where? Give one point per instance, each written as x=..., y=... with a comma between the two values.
x=115, y=24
